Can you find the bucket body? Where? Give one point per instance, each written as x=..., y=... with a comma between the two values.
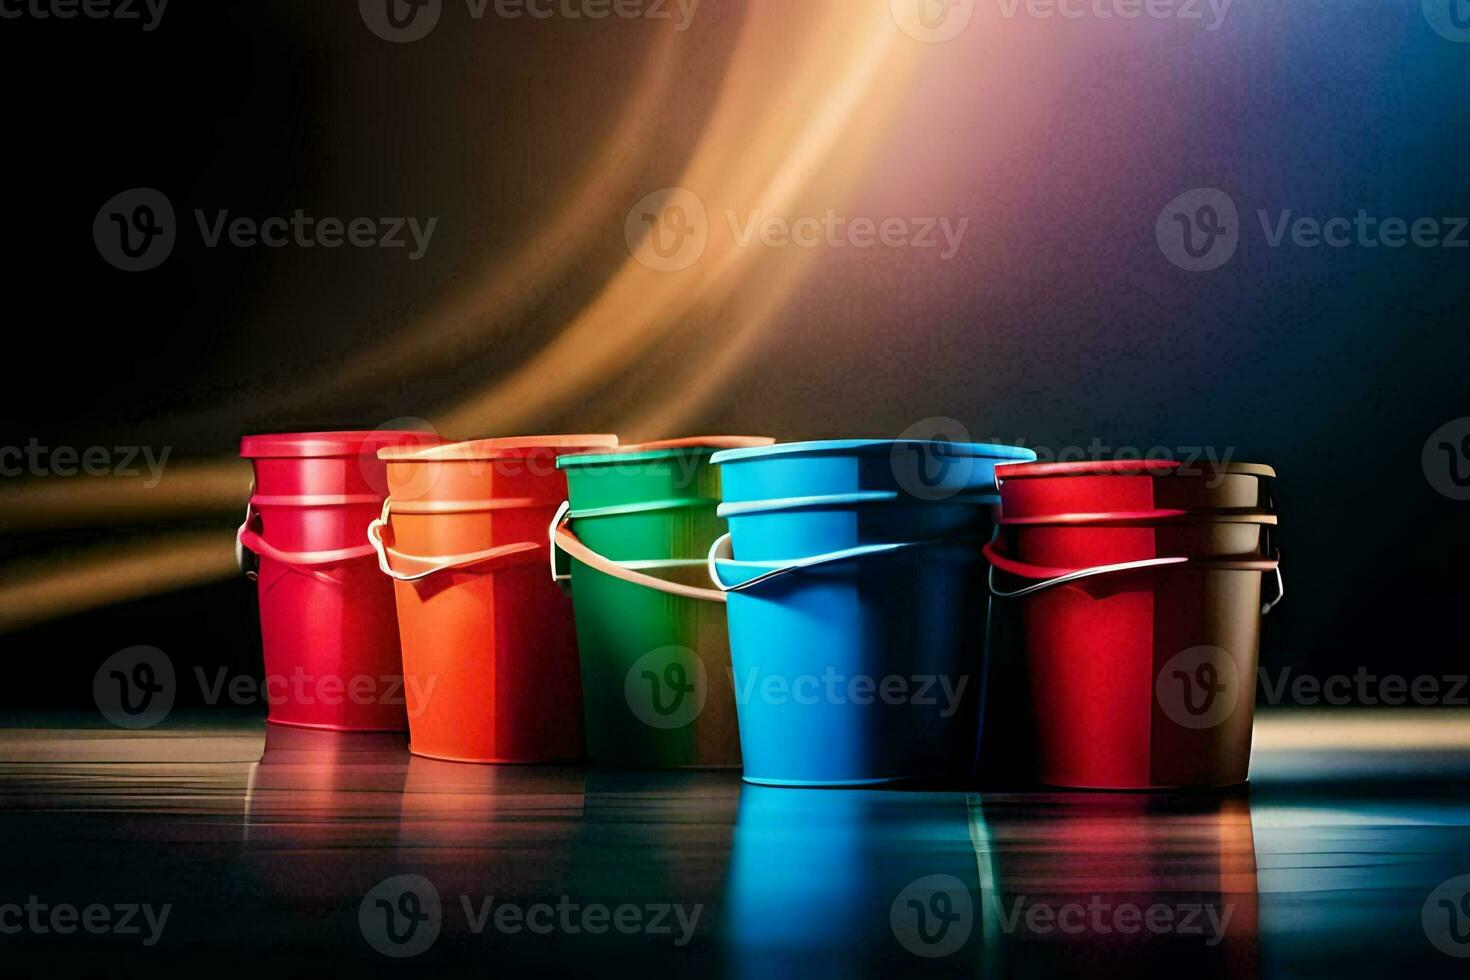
x=860, y=673
x=328, y=630
x=489, y=650
x=1145, y=680
x=655, y=666
x=858, y=608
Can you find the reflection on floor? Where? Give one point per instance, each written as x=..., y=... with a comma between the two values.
x=300, y=852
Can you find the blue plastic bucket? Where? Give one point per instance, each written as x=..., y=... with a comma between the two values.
x=857, y=608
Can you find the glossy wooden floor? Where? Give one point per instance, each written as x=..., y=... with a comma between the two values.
x=270, y=849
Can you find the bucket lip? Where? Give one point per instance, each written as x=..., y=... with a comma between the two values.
x=664, y=449
x=317, y=445
x=1122, y=468
x=869, y=447
x=497, y=448
x=745, y=508
x=1144, y=518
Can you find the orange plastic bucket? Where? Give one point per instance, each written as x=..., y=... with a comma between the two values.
x=489, y=648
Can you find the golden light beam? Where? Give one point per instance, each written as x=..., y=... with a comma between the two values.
x=805, y=93
x=199, y=487
x=506, y=290
x=770, y=135
x=63, y=585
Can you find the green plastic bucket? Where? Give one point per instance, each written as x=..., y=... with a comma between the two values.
x=633, y=540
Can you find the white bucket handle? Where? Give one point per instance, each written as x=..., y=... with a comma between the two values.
x=722, y=550
x=562, y=538
x=1126, y=566
x=241, y=551
x=433, y=566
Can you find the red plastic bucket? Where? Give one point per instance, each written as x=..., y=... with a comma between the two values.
x=1142, y=671
x=327, y=624
x=490, y=661
x=1062, y=490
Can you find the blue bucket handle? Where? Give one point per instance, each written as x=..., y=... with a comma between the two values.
x=722, y=550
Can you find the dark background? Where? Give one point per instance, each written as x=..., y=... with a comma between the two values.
x=1058, y=324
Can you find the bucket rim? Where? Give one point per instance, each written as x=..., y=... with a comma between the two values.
x=863, y=498
x=1145, y=518
x=664, y=449
x=328, y=443
x=1124, y=468
x=869, y=447
x=501, y=447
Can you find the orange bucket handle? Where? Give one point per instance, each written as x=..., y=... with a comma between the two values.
x=414, y=568
x=1052, y=577
x=562, y=538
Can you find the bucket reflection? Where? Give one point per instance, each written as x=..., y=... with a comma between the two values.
x=314, y=800
x=1167, y=882
x=483, y=829
x=853, y=883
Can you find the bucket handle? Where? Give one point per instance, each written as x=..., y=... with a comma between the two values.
x=250, y=569
x=425, y=567
x=248, y=539
x=562, y=539
x=1021, y=570
x=723, y=550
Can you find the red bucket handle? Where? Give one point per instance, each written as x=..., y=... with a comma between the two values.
x=248, y=539
x=415, y=568
x=562, y=539
x=1053, y=577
